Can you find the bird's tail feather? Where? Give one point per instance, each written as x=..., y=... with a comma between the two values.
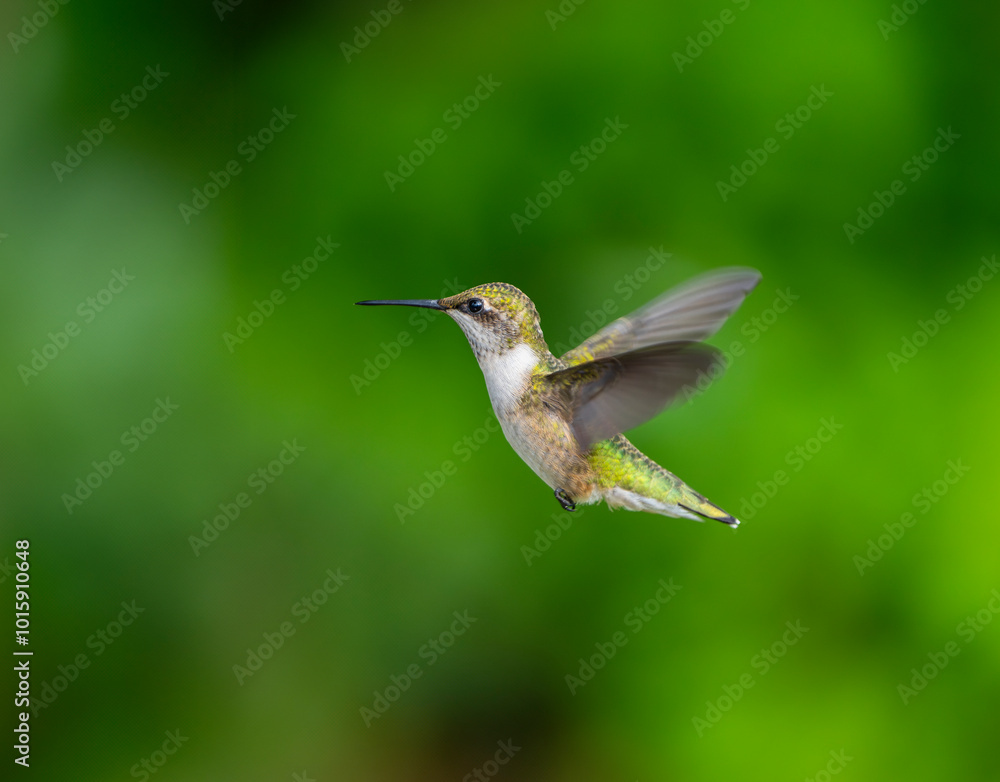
x=698, y=504
x=634, y=481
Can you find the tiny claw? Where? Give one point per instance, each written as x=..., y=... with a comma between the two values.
x=565, y=500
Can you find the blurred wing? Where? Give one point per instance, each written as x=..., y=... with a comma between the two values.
x=608, y=396
x=691, y=312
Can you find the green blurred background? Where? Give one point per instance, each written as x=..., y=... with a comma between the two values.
x=669, y=705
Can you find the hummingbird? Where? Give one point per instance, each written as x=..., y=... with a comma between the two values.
x=565, y=416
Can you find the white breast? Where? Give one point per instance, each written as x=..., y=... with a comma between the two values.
x=508, y=374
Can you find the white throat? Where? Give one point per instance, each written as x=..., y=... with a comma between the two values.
x=508, y=375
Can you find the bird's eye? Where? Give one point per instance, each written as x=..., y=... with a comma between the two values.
x=475, y=306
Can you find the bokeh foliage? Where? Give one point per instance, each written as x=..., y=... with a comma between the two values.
x=367, y=444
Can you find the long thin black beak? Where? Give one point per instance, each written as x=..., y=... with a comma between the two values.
x=430, y=304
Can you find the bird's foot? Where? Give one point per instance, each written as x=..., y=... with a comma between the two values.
x=565, y=500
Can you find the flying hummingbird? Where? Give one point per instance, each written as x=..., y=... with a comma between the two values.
x=565, y=416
